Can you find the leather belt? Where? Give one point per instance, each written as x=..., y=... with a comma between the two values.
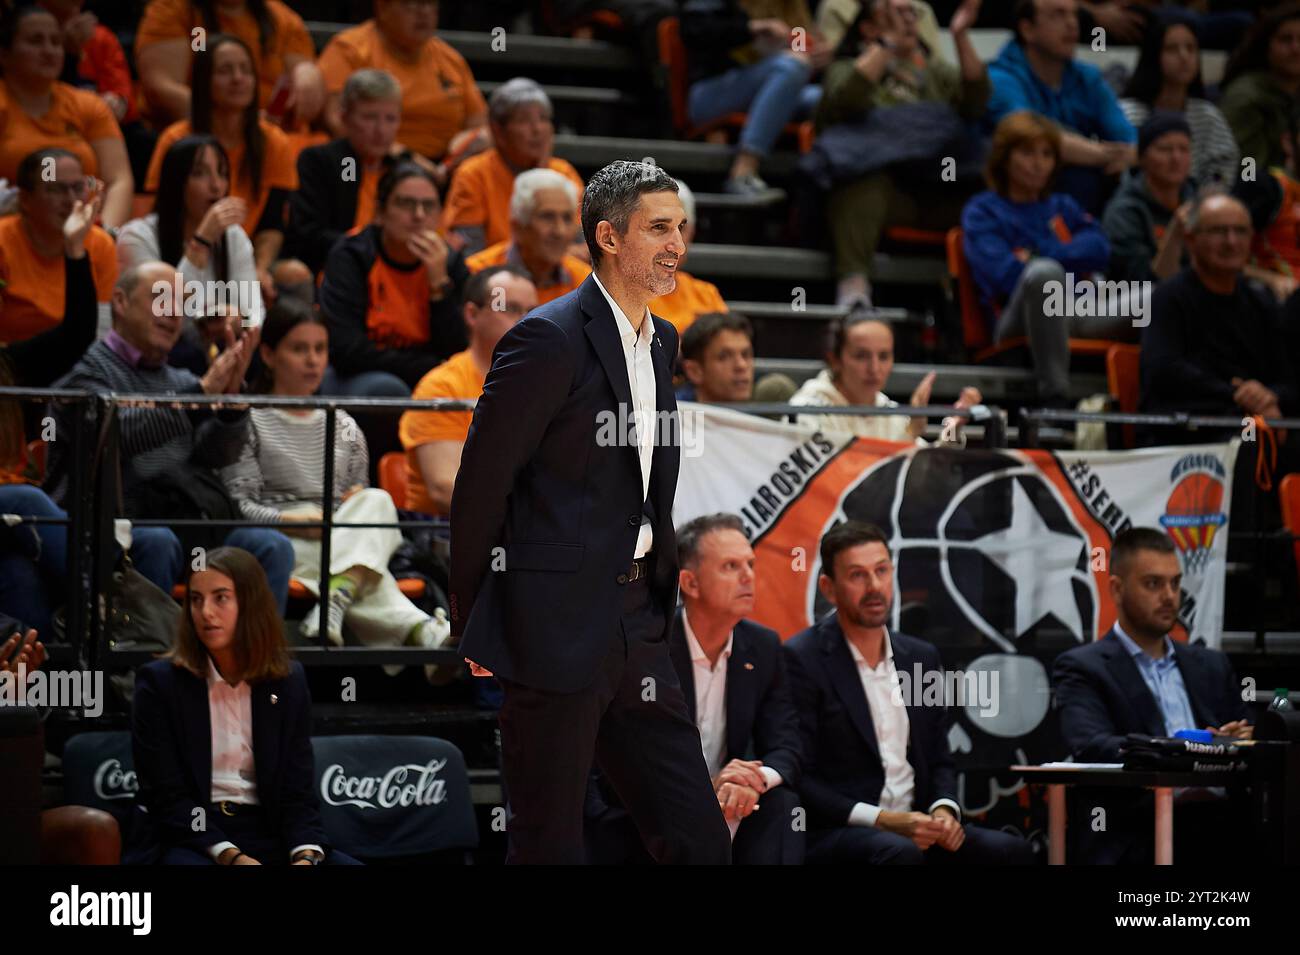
x=640, y=568
x=229, y=808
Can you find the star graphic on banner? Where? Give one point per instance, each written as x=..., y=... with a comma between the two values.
x=1042, y=563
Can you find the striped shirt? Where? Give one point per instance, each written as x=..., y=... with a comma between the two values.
x=1215, y=155
x=153, y=441
x=282, y=465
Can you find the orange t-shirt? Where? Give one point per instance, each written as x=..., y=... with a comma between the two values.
x=398, y=316
x=692, y=298
x=367, y=189
x=76, y=119
x=176, y=19
x=31, y=300
x=439, y=96
x=457, y=377
x=480, y=194
x=570, y=275
x=279, y=167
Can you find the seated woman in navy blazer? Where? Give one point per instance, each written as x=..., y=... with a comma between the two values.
x=222, y=732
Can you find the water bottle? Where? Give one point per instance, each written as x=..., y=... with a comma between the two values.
x=1281, y=701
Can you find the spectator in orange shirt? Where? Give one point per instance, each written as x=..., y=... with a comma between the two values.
x=443, y=113
x=543, y=215
x=523, y=135
x=692, y=297
x=94, y=56
x=495, y=299
x=37, y=110
x=276, y=36
x=261, y=159
x=32, y=264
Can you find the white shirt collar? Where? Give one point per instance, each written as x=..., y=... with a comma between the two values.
x=215, y=677
x=625, y=329
x=1134, y=650
x=693, y=646
x=858, y=658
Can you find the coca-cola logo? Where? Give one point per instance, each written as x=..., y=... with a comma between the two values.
x=403, y=785
x=114, y=782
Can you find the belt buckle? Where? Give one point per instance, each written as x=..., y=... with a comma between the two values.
x=638, y=569
x=225, y=811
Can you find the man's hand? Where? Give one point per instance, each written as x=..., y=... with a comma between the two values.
x=917, y=826
x=953, y=834
x=30, y=654
x=1117, y=157
x=1252, y=397
x=1239, y=729
x=245, y=860
x=737, y=801
x=1122, y=25
x=79, y=221
x=965, y=17
x=742, y=772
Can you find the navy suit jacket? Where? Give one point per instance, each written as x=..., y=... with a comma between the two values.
x=1101, y=697
x=548, y=498
x=171, y=739
x=761, y=718
x=841, y=758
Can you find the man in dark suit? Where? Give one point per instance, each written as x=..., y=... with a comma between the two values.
x=878, y=779
x=733, y=676
x=563, y=564
x=1136, y=679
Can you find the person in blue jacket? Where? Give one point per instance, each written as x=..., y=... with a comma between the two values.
x=1033, y=253
x=1037, y=70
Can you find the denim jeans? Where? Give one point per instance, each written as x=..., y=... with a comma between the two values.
x=772, y=92
x=34, y=557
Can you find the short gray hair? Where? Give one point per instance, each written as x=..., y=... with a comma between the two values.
x=369, y=86
x=688, y=199
x=514, y=94
x=523, y=199
x=693, y=531
x=613, y=194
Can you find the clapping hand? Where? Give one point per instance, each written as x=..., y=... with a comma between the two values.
x=30, y=653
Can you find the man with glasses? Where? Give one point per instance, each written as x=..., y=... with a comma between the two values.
x=495, y=299
x=1213, y=345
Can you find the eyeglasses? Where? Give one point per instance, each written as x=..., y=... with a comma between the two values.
x=77, y=189
x=410, y=204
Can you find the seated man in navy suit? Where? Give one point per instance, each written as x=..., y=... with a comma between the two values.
x=733, y=677
x=1136, y=679
x=878, y=779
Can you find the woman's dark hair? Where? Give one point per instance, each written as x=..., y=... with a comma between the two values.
x=284, y=316
x=398, y=173
x=259, y=645
x=837, y=331
x=13, y=18
x=1147, y=79
x=205, y=61
x=177, y=166
x=29, y=170
x=1252, y=54
x=261, y=13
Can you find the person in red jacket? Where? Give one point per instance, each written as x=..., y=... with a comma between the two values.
x=94, y=57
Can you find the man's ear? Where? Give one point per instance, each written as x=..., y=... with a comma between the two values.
x=606, y=237
x=1115, y=585
x=688, y=583
x=693, y=371
x=826, y=587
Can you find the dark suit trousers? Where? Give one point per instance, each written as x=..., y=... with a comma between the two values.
x=632, y=720
x=867, y=845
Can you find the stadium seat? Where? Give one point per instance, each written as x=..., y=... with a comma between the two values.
x=389, y=798
x=36, y=457
x=1123, y=382
x=1289, y=493
x=672, y=56
x=392, y=476
x=99, y=771
x=975, y=327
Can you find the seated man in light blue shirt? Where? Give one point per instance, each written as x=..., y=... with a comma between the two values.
x=1136, y=679
x=1037, y=71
